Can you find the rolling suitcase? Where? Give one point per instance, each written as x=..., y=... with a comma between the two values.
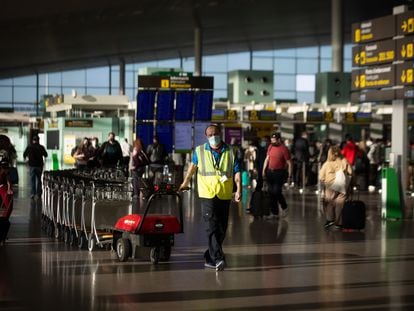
x=260, y=203
x=353, y=215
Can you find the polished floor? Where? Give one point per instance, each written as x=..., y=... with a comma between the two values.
x=290, y=263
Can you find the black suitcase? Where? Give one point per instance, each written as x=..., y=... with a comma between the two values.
x=353, y=215
x=260, y=203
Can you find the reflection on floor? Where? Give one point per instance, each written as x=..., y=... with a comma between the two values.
x=289, y=263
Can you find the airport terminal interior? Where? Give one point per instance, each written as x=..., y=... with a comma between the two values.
x=164, y=71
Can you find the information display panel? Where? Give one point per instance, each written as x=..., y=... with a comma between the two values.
x=145, y=104
x=183, y=134
x=165, y=135
x=145, y=132
x=165, y=105
x=184, y=104
x=203, y=105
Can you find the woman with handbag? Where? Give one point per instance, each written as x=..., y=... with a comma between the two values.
x=335, y=174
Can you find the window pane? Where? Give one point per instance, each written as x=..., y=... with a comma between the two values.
x=54, y=90
x=285, y=65
x=238, y=61
x=220, y=80
x=285, y=52
x=115, y=78
x=24, y=94
x=285, y=82
x=188, y=64
x=326, y=51
x=284, y=95
x=55, y=79
x=220, y=94
x=263, y=63
x=305, y=83
x=215, y=63
x=25, y=81
x=97, y=76
x=73, y=78
x=348, y=51
x=347, y=65
x=307, y=66
x=307, y=52
x=130, y=92
x=263, y=53
x=6, y=82
x=6, y=94
x=98, y=91
x=67, y=91
x=326, y=65
x=308, y=97
x=169, y=63
x=129, y=79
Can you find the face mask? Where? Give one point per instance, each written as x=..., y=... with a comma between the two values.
x=262, y=144
x=214, y=141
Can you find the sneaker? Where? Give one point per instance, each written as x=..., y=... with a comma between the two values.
x=209, y=265
x=285, y=212
x=338, y=227
x=328, y=224
x=220, y=265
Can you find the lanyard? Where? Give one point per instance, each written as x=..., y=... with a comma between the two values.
x=216, y=163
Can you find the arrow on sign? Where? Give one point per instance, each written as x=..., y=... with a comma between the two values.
x=357, y=58
x=403, y=51
x=404, y=26
x=403, y=76
x=356, y=81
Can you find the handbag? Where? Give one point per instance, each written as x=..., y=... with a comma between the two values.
x=340, y=184
x=13, y=175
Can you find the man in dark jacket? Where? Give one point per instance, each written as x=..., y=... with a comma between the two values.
x=36, y=154
x=110, y=152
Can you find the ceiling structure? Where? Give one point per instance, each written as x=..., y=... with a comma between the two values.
x=49, y=35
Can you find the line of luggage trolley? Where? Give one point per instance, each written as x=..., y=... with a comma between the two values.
x=93, y=209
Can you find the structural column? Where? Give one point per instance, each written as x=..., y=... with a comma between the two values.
x=337, y=36
x=399, y=142
x=122, y=77
x=198, y=55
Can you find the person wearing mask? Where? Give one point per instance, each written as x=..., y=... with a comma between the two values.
x=217, y=169
x=110, y=152
x=277, y=169
x=36, y=153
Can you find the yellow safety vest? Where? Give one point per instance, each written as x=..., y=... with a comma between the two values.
x=210, y=177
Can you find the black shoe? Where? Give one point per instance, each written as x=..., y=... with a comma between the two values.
x=328, y=224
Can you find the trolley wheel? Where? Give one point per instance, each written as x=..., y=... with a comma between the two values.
x=91, y=242
x=49, y=229
x=57, y=232
x=155, y=255
x=82, y=243
x=123, y=249
x=165, y=253
x=72, y=238
x=66, y=235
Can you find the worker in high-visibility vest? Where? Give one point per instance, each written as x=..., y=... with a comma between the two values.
x=218, y=170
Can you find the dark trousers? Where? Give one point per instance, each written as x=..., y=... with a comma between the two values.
x=276, y=180
x=299, y=167
x=216, y=215
x=36, y=180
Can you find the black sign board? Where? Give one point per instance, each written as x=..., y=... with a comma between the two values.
x=78, y=123
x=405, y=23
x=406, y=92
x=405, y=48
x=373, y=96
x=405, y=73
x=373, y=77
x=206, y=83
x=375, y=53
x=374, y=30
x=314, y=116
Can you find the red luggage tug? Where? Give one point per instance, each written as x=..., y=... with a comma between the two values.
x=149, y=230
x=6, y=208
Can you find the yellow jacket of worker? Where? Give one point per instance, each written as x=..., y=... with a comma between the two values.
x=215, y=179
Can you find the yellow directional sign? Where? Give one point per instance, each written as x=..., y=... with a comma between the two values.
x=405, y=23
x=356, y=58
x=403, y=76
x=356, y=81
x=165, y=83
x=410, y=75
x=405, y=73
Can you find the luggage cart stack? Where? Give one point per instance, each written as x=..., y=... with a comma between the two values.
x=80, y=206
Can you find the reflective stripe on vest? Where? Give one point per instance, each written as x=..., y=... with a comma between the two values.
x=209, y=183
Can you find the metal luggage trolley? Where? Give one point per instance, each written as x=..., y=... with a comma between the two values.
x=110, y=201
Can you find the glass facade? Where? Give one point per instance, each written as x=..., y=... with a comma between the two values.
x=294, y=76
